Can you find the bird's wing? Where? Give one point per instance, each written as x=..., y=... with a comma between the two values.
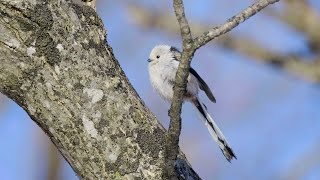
x=203, y=85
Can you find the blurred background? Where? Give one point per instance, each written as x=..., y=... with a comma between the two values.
x=265, y=75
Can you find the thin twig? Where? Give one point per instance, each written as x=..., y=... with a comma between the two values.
x=232, y=22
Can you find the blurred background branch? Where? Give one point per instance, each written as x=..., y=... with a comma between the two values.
x=296, y=63
x=3, y=102
x=304, y=164
x=54, y=162
x=301, y=16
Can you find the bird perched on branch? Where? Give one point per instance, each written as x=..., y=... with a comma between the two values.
x=163, y=66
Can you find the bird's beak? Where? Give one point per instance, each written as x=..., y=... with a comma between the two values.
x=149, y=60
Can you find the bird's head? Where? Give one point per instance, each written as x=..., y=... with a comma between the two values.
x=164, y=53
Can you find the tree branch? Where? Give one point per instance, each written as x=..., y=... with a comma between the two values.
x=189, y=47
x=172, y=137
x=57, y=65
x=232, y=22
x=183, y=23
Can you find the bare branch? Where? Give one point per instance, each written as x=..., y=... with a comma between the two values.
x=184, y=26
x=172, y=137
x=232, y=22
x=189, y=48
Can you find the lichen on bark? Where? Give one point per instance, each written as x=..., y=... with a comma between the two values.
x=57, y=65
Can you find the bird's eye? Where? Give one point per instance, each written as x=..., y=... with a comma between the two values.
x=158, y=57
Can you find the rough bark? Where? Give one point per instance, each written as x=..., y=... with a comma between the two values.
x=57, y=65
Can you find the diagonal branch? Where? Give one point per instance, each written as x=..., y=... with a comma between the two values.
x=56, y=63
x=232, y=22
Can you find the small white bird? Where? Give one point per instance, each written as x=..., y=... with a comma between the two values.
x=163, y=65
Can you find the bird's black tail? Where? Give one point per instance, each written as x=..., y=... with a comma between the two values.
x=214, y=130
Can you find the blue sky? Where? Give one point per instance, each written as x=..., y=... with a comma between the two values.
x=271, y=118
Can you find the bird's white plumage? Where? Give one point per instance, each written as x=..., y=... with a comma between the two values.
x=162, y=72
x=163, y=66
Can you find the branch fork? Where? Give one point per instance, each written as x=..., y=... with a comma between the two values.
x=189, y=47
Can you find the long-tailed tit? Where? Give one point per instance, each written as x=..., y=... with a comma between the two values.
x=163, y=65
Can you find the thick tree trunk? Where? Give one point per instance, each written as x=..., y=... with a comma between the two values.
x=57, y=65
